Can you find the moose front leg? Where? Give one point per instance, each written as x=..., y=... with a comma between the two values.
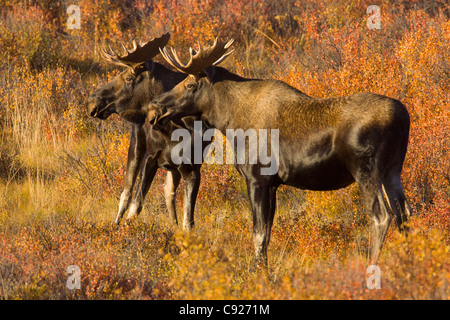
x=263, y=203
x=170, y=192
x=148, y=173
x=191, y=185
x=136, y=153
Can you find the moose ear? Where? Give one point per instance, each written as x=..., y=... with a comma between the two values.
x=150, y=65
x=146, y=66
x=210, y=72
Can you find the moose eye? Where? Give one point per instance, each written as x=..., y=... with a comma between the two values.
x=191, y=86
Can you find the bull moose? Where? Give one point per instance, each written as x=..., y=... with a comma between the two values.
x=128, y=95
x=324, y=144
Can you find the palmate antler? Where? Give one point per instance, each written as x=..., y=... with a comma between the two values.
x=200, y=60
x=138, y=54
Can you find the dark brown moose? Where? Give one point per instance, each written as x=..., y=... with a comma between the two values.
x=128, y=94
x=324, y=144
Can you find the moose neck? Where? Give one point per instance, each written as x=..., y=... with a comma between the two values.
x=233, y=102
x=157, y=81
x=223, y=99
x=163, y=80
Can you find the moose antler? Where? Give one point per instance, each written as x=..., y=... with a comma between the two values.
x=138, y=54
x=200, y=60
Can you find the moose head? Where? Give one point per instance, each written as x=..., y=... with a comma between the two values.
x=128, y=92
x=187, y=96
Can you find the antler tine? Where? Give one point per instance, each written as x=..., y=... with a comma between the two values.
x=229, y=43
x=170, y=59
x=112, y=57
x=212, y=55
x=165, y=55
x=202, y=59
x=215, y=42
x=135, y=45
x=140, y=53
x=222, y=58
x=113, y=52
x=226, y=46
x=177, y=58
x=104, y=54
x=125, y=50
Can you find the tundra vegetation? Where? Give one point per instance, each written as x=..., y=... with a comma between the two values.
x=62, y=172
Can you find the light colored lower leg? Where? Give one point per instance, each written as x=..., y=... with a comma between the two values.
x=170, y=196
x=123, y=205
x=382, y=220
x=397, y=200
x=187, y=215
x=133, y=210
x=260, y=243
x=388, y=202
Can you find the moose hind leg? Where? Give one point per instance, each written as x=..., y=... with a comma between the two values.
x=130, y=180
x=263, y=203
x=374, y=203
x=147, y=175
x=191, y=185
x=135, y=158
x=395, y=195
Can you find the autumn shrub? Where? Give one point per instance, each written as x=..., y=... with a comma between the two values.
x=36, y=257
